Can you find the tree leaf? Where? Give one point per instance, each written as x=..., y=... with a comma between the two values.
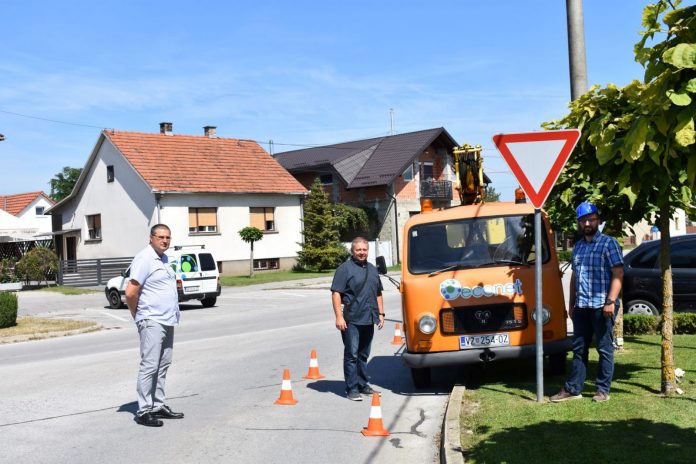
x=691, y=169
x=691, y=86
x=679, y=99
x=636, y=138
x=628, y=192
x=684, y=131
x=681, y=56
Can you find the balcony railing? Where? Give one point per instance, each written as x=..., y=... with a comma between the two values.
x=436, y=189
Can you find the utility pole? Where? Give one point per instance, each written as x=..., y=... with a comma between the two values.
x=391, y=121
x=576, y=48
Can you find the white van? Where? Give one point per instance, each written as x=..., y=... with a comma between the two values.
x=197, y=277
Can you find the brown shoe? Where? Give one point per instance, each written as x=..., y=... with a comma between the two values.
x=563, y=395
x=600, y=397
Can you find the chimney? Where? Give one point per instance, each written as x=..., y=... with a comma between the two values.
x=209, y=131
x=166, y=128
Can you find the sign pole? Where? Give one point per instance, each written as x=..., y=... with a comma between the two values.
x=538, y=258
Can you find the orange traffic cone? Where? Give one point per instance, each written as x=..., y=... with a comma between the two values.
x=374, y=425
x=397, y=340
x=313, y=372
x=286, y=390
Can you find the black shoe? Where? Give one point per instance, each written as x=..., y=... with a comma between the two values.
x=148, y=420
x=368, y=390
x=166, y=413
x=354, y=396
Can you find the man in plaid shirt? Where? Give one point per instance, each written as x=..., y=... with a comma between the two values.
x=594, y=292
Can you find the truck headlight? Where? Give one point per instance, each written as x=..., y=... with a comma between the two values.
x=427, y=324
x=545, y=315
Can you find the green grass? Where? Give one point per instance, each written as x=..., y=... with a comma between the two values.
x=502, y=422
x=69, y=290
x=266, y=277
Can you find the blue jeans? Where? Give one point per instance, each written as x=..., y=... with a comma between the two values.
x=586, y=323
x=357, y=340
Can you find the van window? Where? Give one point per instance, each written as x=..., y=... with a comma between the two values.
x=474, y=242
x=207, y=262
x=188, y=263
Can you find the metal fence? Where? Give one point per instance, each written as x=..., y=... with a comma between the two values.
x=90, y=272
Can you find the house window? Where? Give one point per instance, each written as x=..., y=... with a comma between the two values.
x=94, y=228
x=40, y=210
x=326, y=179
x=426, y=170
x=263, y=218
x=110, y=173
x=202, y=220
x=408, y=173
x=264, y=264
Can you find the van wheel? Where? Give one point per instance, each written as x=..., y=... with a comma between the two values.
x=208, y=302
x=641, y=307
x=421, y=377
x=115, y=299
x=557, y=363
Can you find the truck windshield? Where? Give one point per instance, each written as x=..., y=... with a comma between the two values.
x=470, y=243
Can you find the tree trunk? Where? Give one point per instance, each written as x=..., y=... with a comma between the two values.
x=669, y=385
x=618, y=328
x=251, y=261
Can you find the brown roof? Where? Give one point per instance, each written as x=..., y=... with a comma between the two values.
x=368, y=162
x=187, y=163
x=15, y=204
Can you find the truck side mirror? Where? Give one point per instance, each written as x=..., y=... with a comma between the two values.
x=381, y=265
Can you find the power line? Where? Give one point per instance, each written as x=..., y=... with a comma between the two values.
x=51, y=120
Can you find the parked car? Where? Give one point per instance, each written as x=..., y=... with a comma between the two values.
x=642, y=282
x=197, y=277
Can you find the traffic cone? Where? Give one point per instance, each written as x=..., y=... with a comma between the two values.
x=374, y=425
x=397, y=340
x=286, y=390
x=313, y=372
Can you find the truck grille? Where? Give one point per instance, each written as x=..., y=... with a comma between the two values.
x=485, y=318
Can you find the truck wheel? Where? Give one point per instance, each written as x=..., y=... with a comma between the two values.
x=208, y=302
x=115, y=299
x=421, y=377
x=557, y=363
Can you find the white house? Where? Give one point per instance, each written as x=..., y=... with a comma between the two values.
x=205, y=188
x=22, y=216
x=645, y=230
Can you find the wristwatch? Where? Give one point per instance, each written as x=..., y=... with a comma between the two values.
x=381, y=314
x=609, y=301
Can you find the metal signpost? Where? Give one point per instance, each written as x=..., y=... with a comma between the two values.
x=537, y=159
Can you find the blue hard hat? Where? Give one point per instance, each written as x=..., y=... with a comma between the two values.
x=585, y=208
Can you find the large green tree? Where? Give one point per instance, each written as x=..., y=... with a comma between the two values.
x=635, y=157
x=321, y=248
x=63, y=182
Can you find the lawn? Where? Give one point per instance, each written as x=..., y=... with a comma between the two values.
x=69, y=290
x=275, y=276
x=502, y=422
x=36, y=328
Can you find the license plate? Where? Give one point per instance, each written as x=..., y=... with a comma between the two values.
x=484, y=340
x=191, y=289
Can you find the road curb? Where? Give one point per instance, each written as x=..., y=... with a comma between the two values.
x=450, y=440
x=44, y=335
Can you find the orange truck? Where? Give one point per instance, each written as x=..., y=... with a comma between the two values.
x=468, y=282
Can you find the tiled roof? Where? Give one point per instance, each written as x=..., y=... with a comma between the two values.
x=187, y=163
x=369, y=162
x=15, y=204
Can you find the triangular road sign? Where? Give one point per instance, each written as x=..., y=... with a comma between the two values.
x=537, y=159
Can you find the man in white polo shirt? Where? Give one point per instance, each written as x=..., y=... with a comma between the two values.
x=153, y=302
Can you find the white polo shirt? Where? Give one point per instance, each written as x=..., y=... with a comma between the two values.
x=158, y=299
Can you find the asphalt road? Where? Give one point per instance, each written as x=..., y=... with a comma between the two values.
x=72, y=399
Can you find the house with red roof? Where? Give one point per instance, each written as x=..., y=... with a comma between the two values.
x=22, y=216
x=205, y=188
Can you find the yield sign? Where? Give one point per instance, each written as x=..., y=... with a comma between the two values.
x=537, y=159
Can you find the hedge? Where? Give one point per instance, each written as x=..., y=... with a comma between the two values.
x=638, y=324
x=8, y=309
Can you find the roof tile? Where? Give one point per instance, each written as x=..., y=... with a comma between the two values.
x=15, y=204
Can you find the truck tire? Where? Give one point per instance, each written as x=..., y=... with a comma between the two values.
x=420, y=377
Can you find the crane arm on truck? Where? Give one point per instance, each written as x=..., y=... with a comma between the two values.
x=468, y=167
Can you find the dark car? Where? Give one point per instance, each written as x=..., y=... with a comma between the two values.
x=642, y=282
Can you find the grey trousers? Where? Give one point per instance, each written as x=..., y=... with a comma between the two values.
x=156, y=343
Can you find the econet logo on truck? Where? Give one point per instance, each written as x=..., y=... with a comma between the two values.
x=451, y=289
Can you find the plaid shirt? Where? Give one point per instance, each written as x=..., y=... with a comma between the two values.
x=592, y=263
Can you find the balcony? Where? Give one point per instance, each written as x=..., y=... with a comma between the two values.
x=436, y=189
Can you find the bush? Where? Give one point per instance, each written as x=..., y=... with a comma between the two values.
x=7, y=274
x=564, y=255
x=8, y=309
x=38, y=264
x=636, y=324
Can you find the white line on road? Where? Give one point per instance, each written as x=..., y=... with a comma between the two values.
x=109, y=314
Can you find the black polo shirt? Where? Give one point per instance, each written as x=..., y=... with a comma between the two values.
x=347, y=281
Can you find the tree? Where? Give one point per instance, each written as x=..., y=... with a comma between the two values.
x=490, y=195
x=635, y=156
x=321, y=248
x=251, y=235
x=63, y=182
x=38, y=264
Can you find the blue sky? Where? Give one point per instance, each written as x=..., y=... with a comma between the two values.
x=298, y=73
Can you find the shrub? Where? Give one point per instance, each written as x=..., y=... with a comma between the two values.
x=564, y=255
x=8, y=309
x=38, y=264
x=637, y=324
x=7, y=273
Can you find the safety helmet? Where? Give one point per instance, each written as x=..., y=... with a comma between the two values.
x=586, y=208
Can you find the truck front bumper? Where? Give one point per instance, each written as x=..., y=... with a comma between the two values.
x=478, y=355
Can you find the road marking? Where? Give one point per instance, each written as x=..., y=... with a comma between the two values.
x=270, y=296
x=112, y=315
